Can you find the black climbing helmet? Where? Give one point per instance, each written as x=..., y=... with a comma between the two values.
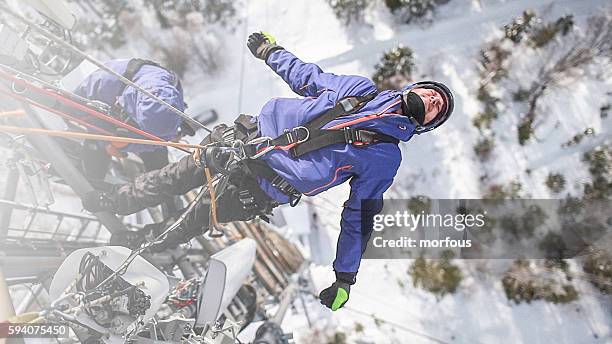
x=449, y=104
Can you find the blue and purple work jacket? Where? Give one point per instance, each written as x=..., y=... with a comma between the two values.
x=370, y=169
x=145, y=113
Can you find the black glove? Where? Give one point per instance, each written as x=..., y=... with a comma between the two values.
x=217, y=135
x=97, y=201
x=335, y=296
x=262, y=44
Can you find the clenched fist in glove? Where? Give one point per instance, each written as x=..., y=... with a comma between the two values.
x=336, y=295
x=262, y=44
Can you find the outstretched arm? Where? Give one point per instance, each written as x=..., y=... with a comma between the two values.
x=306, y=79
x=356, y=227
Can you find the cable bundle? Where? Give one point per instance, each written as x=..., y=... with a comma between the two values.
x=112, y=298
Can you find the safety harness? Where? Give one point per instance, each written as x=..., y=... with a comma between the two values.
x=311, y=136
x=299, y=141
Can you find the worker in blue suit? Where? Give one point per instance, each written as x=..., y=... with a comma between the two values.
x=341, y=129
x=132, y=107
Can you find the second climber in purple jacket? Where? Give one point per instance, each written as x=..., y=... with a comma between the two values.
x=128, y=105
x=289, y=157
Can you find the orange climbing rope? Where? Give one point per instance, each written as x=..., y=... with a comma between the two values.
x=18, y=113
x=215, y=230
x=86, y=136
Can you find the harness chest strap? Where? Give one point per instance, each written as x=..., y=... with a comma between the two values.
x=356, y=137
x=310, y=137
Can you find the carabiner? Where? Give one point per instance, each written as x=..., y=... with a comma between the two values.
x=25, y=88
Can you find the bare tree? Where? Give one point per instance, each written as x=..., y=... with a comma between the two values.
x=206, y=55
x=585, y=49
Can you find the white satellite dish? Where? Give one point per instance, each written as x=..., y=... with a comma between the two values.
x=153, y=282
x=227, y=271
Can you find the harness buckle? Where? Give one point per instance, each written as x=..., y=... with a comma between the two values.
x=239, y=150
x=288, y=189
x=351, y=135
x=294, y=199
x=281, y=184
x=359, y=137
x=348, y=104
x=247, y=199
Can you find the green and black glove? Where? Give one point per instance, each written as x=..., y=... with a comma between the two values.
x=262, y=44
x=336, y=295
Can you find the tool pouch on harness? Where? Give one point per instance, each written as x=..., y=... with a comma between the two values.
x=253, y=200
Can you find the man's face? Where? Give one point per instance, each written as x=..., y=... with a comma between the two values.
x=434, y=102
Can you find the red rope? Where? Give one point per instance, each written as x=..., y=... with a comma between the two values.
x=59, y=113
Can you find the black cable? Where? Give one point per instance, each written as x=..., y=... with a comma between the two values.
x=396, y=325
x=391, y=323
x=93, y=271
